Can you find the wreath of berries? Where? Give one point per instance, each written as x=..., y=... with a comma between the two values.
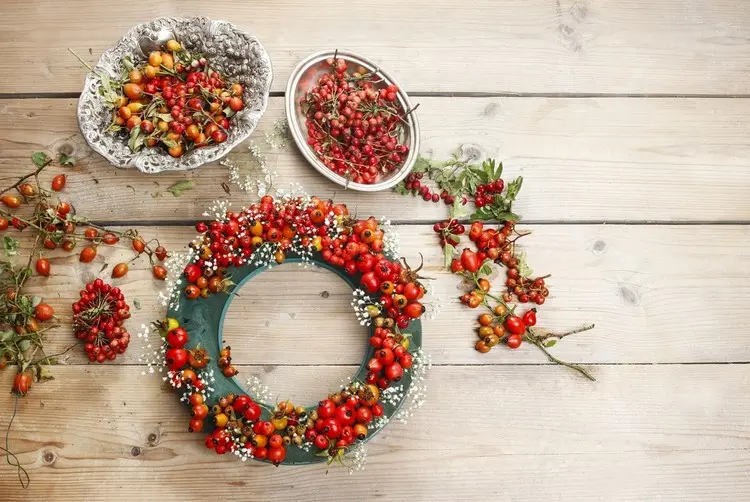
x=236, y=247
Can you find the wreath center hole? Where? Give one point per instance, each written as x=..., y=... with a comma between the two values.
x=295, y=330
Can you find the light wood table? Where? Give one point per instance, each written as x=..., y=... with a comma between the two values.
x=630, y=122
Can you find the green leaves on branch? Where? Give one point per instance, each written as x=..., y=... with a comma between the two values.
x=40, y=159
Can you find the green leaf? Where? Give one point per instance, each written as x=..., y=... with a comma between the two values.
x=10, y=246
x=523, y=268
x=5, y=336
x=550, y=343
x=164, y=116
x=448, y=252
x=40, y=159
x=136, y=140
x=66, y=160
x=513, y=188
x=127, y=63
x=24, y=344
x=180, y=187
x=486, y=268
x=482, y=214
x=35, y=300
x=506, y=216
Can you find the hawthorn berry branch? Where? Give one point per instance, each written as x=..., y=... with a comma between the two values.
x=549, y=334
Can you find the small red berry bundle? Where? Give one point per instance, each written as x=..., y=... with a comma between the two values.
x=98, y=318
x=355, y=123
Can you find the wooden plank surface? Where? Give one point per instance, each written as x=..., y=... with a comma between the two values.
x=635, y=282
x=534, y=46
x=607, y=159
x=673, y=432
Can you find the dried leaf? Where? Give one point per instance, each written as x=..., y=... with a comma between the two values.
x=136, y=304
x=24, y=345
x=180, y=187
x=43, y=374
x=226, y=188
x=66, y=160
x=40, y=159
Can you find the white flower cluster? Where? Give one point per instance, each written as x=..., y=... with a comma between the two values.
x=258, y=390
x=279, y=137
x=378, y=423
x=391, y=244
x=175, y=266
x=218, y=210
x=205, y=376
x=392, y=395
x=153, y=351
x=360, y=302
x=358, y=456
x=417, y=392
x=434, y=306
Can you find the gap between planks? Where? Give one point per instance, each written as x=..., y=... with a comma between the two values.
x=451, y=365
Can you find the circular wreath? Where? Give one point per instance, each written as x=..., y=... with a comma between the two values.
x=234, y=248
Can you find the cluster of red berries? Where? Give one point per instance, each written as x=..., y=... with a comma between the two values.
x=414, y=185
x=390, y=360
x=485, y=194
x=175, y=100
x=449, y=231
x=335, y=424
x=502, y=326
x=318, y=226
x=98, y=318
x=355, y=123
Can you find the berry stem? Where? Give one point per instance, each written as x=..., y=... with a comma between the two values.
x=555, y=360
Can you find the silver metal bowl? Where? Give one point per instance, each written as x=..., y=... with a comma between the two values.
x=237, y=55
x=305, y=76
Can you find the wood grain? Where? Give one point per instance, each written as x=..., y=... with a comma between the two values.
x=582, y=160
x=653, y=432
x=651, y=290
x=536, y=46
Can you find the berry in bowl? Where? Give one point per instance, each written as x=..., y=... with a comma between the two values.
x=174, y=94
x=352, y=121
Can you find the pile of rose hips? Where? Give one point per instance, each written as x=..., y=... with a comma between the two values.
x=176, y=100
x=98, y=318
x=502, y=325
x=240, y=423
x=355, y=123
x=273, y=228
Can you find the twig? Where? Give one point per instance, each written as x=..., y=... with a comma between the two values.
x=24, y=178
x=22, y=473
x=555, y=360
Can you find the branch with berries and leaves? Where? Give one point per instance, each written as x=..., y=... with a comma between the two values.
x=477, y=190
x=28, y=205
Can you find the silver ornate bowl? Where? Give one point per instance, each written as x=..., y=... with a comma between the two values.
x=304, y=77
x=237, y=55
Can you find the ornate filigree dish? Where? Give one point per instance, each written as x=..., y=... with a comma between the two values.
x=237, y=55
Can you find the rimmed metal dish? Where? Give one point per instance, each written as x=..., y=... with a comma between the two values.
x=305, y=76
x=236, y=54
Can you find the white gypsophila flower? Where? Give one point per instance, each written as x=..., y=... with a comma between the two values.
x=360, y=302
x=392, y=395
x=358, y=457
x=218, y=210
x=258, y=389
x=417, y=392
x=435, y=305
x=391, y=244
x=175, y=266
x=279, y=137
x=153, y=348
x=205, y=376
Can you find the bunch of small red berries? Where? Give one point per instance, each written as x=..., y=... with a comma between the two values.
x=355, y=123
x=175, y=100
x=449, y=231
x=98, y=318
x=415, y=186
x=502, y=325
x=485, y=194
x=390, y=360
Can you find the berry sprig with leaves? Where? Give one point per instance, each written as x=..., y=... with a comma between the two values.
x=477, y=191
